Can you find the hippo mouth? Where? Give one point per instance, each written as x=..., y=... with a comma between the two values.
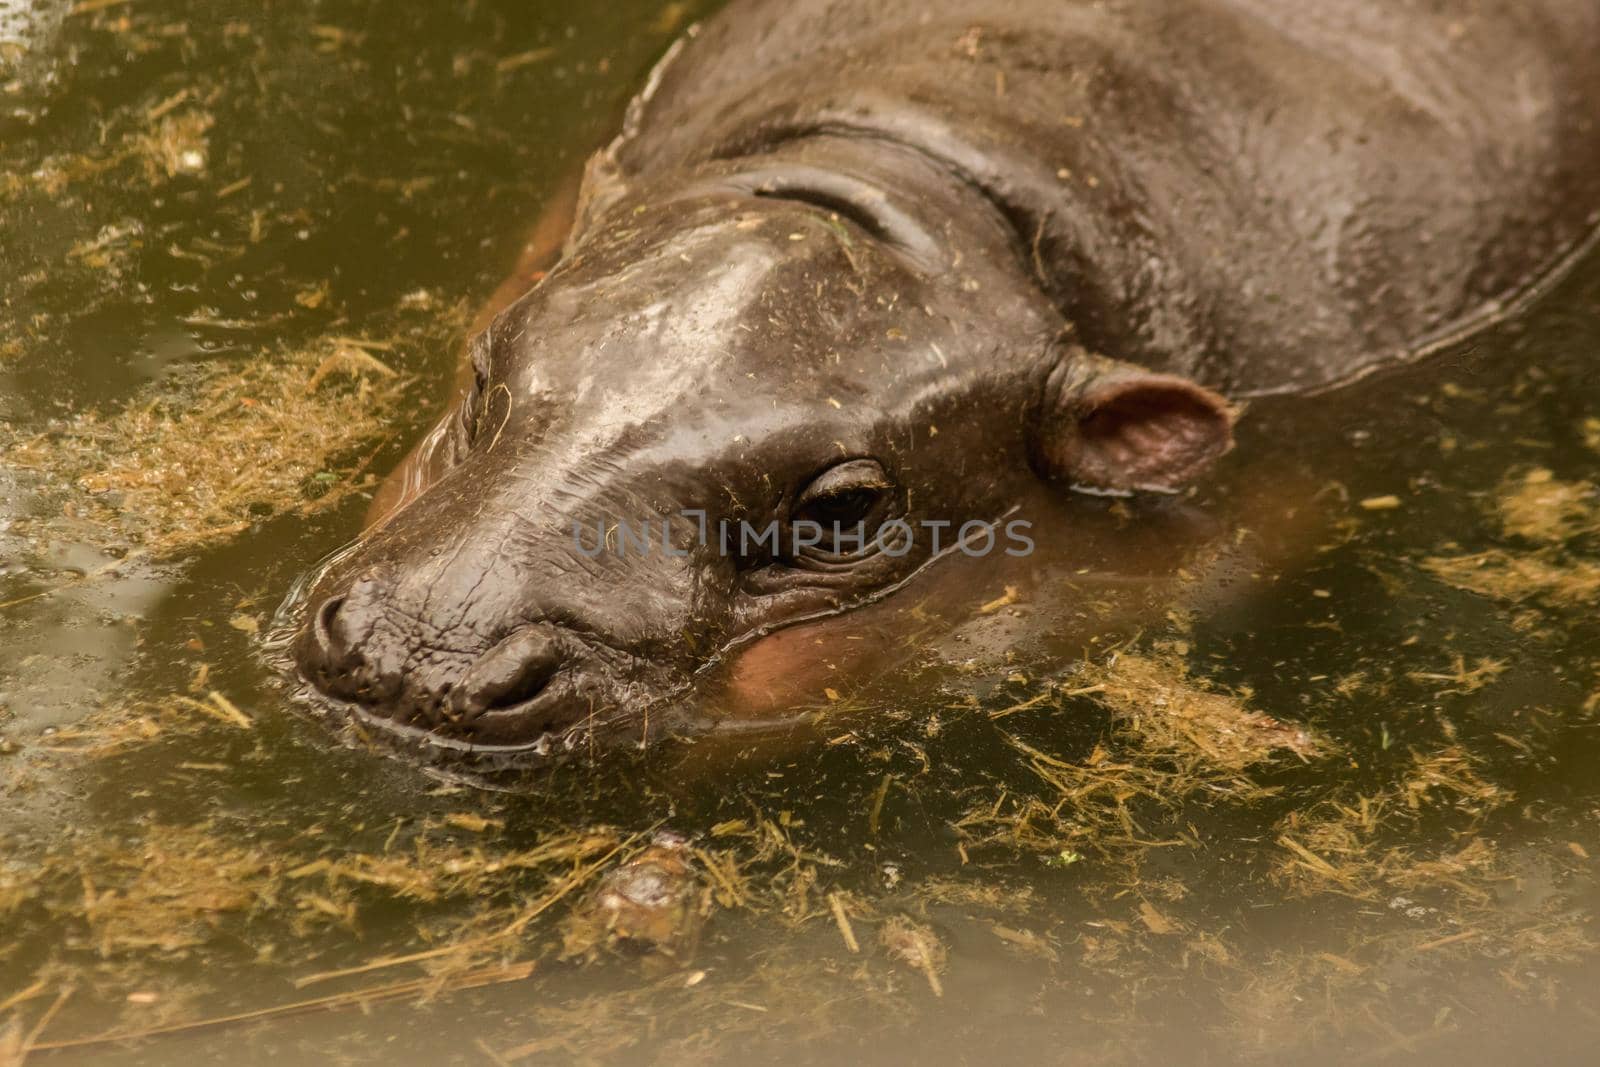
x=511, y=737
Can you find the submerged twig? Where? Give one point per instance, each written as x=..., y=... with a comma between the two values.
x=360, y=998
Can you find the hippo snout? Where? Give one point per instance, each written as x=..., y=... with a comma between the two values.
x=534, y=679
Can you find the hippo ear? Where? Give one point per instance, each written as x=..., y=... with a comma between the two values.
x=1115, y=426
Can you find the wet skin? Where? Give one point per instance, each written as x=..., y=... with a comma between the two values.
x=919, y=262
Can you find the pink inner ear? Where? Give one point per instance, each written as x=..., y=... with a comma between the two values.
x=1152, y=433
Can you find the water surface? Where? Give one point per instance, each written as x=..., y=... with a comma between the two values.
x=1300, y=767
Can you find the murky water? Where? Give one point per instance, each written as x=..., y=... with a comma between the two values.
x=1301, y=767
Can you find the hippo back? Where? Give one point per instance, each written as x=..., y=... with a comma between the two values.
x=1265, y=195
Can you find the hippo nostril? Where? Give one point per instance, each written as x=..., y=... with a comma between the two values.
x=529, y=683
x=334, y=647
x=323, y=628
x=514, y=672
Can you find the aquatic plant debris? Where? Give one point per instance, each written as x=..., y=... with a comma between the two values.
x=1334, y=846
x=917, y=946
x=1544, y=509
x=1171, y=714
x=1503, y=575
x=199, y=462
x=1550, y=513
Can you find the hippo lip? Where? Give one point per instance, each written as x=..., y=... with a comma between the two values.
x=425, y=739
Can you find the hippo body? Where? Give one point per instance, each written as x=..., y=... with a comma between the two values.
x=908, y=261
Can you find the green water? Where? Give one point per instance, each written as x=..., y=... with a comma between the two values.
x=366, y=169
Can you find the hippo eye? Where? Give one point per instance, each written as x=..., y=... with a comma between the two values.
x=846, y=507
x=843, y=496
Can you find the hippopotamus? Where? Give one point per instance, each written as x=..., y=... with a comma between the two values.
x=853, y=267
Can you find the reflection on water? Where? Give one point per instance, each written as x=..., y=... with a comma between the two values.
x=1298, y=767
x=28, y=30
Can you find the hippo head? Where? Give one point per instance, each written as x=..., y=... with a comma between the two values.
x=673, y=445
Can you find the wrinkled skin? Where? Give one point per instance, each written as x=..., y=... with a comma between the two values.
x=859, y=262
